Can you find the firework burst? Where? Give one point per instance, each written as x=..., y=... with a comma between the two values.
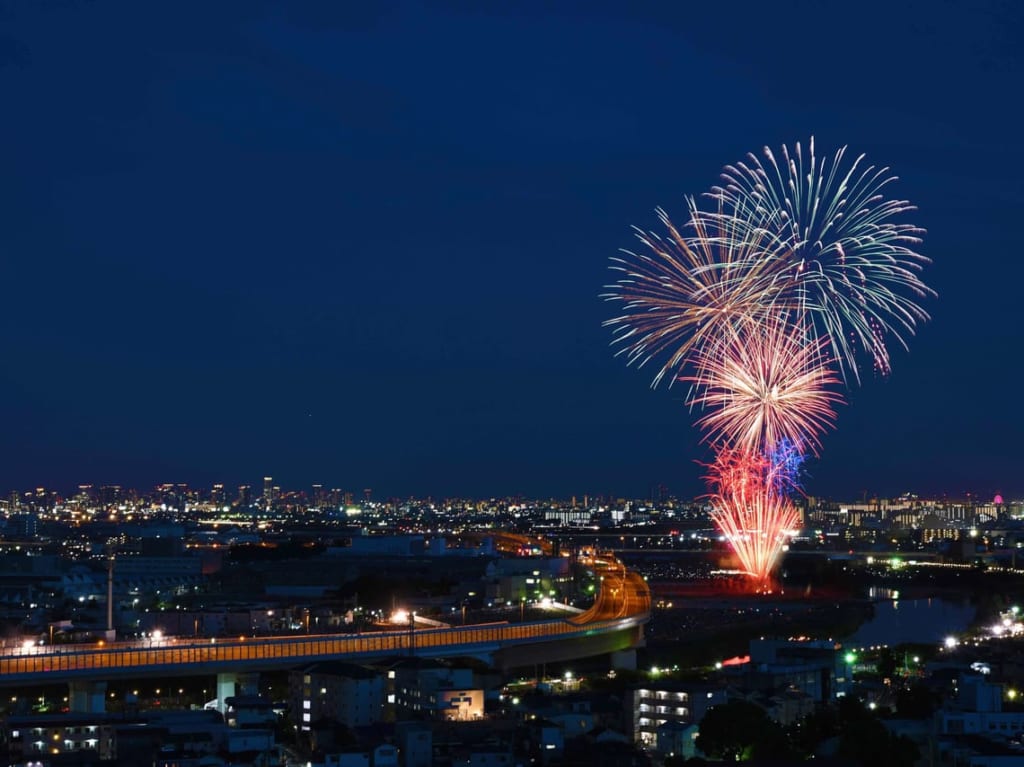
x=764, y=306
x=680, y=291
x=834, y=238
x=749, y=511
x=762, y=383
x=787, y=458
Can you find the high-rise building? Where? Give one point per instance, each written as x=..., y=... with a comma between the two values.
x=268, y=492
x=109, y=494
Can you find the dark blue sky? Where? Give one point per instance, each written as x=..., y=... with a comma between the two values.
x=362, y=243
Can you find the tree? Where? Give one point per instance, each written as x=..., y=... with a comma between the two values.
x=916, y=702
x=868, y=742
x=733, y=731
x=886, y=663
x=813, y=729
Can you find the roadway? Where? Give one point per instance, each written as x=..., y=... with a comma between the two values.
x=623, y=603
x=622, y=592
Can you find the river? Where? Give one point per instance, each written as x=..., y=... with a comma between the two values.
x=922, y=621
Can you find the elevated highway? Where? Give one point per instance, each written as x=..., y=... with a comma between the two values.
x=615, y=622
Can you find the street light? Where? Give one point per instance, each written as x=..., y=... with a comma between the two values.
x=412, y=632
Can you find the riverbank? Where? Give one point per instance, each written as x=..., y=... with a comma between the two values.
x=698, y=637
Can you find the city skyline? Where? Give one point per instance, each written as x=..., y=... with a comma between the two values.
x=255, y=492
x=370, y=243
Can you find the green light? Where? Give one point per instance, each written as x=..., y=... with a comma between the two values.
x=851, y=657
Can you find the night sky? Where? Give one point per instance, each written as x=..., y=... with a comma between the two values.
x=361, y=244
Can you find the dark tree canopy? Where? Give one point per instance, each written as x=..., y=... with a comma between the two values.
x=869, y=743
x=731, y=731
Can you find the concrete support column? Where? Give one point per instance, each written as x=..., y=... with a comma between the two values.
x=624, y=659
x=232, y=683
x=225, y=689
x=87, y=697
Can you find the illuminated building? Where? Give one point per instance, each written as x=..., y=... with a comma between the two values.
x=268, y=492
x=346, y=693
x=656, y=702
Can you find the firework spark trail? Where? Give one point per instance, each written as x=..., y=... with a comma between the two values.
x=763, y=383
x=787, y=458
x=682, y=290
x=764, y=306
x=847, y=263
x=749, y=510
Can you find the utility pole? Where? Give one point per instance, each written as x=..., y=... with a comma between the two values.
x=111, y=555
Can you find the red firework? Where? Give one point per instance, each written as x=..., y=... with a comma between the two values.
x=749, y=510
x=767, y=302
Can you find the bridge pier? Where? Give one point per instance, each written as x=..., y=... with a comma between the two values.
x=232, y=683
x=624, y=660
x=87, y=697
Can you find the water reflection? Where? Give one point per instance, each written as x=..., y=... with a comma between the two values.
x=881, y=592
x=912, y=620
